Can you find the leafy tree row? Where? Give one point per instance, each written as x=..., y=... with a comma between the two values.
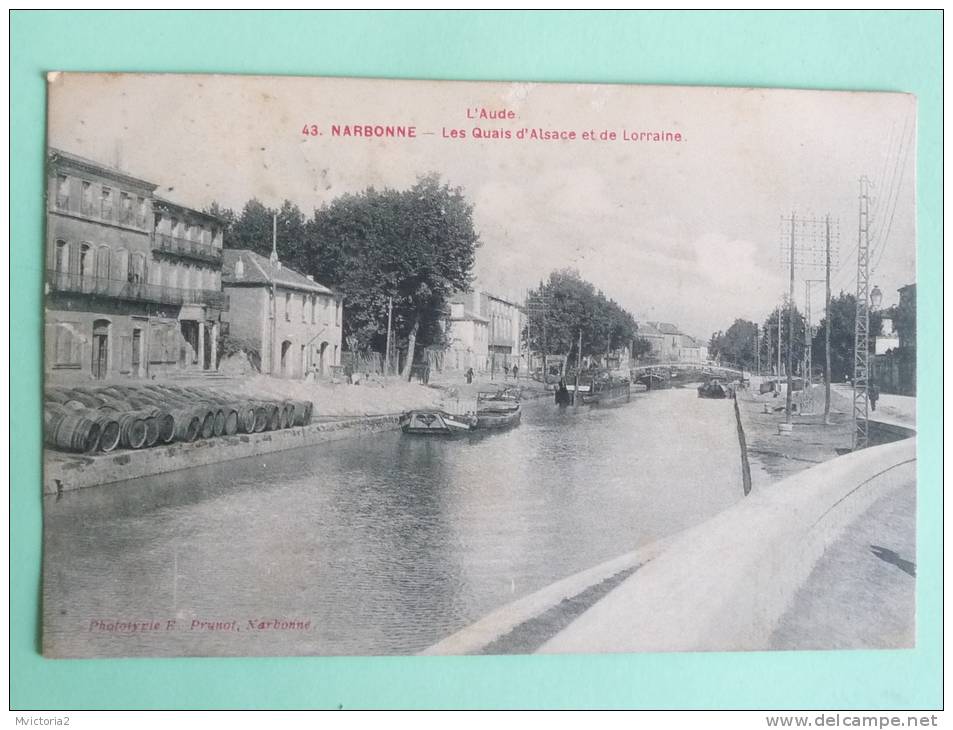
x=412, y=247
x=739, y=344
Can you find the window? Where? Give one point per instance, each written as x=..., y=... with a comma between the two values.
x=86, y=205
x=288, y=306
x=102, y=269
x=85, y=266
x=314, y=309
x=141, y=212
x=338, y=309
x=106, y=207
x=125, y=208
x=62, y=191
x=61, y=265
x=174, y=227
x=137, y=268
x=304, y=307
x=67, y=348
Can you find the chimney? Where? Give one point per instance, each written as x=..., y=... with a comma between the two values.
x=239, y=268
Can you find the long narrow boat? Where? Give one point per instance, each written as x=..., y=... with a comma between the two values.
x=498, y=410
x=609, y=392
x=436, y=423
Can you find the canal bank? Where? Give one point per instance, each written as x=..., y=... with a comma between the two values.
x=64, y=472
x=821, y=555
x=386, y=544
x=341, y=411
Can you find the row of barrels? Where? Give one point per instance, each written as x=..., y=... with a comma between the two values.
x=89, y=419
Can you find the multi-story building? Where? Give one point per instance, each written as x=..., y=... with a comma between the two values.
x=294, y=322
x=505, y=336
x=486, y=332
x=121, y=299
x=469, y=333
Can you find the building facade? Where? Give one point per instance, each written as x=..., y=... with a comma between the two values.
x=117, y=304
x=468, y=335
x=294, y=322
x=505, y=332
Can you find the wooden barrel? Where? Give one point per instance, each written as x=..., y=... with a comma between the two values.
x=53, y=413
x=262, y=417
x=109, y=431
x=188, y=424
x=132, y=431
x=231, y=421
x=166, y=423
x=218, y=423
x=74, y=432
x=246, y=418
x=274, y=417
x=55, y=394
x=208, y=424
x=302, y=412
x=152, y=430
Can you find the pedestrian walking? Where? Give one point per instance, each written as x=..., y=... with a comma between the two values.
x=516, y=372
x=873, y=393
x=469, y=376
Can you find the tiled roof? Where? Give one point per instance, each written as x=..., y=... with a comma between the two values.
x=666, y=328
x=647, y=329
x=259, y=270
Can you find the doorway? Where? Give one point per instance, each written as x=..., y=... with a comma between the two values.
x=100, y=364
x=285, y=359
x=136, y=352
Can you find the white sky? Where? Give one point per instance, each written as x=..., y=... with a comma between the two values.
x=682, y=232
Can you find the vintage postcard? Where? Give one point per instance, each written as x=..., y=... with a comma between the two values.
x=363, y=367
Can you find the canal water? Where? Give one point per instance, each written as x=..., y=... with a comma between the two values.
x=377, y=545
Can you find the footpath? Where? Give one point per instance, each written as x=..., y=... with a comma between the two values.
x=820, y=555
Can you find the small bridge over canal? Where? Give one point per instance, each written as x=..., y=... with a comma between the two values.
x=661, y=375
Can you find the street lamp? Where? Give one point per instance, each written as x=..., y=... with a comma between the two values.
x=876, y=297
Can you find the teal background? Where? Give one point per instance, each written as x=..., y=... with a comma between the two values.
x=893, y=51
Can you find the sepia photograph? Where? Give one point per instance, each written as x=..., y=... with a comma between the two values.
x=344, y=366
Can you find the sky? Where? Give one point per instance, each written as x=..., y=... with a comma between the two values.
x=687, y=232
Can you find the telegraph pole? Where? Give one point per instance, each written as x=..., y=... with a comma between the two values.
x=779, y=347
x=390, y=310
x=757, y=348
x=787, y=398
x=827, y=322
x=813, y=243
x=862, y=320
x=575, y=395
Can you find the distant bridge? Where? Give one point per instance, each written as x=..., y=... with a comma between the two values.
x=658, y=374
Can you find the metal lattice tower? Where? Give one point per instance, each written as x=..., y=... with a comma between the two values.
x=862, y=320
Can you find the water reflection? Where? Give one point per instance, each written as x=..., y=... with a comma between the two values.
x=386, y=543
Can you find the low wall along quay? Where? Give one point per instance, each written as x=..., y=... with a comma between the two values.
x=64, y=472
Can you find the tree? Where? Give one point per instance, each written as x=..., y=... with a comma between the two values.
x=640, y=348
x=414, y=247
x=843, y=317
x=737, y=346
x=769, y=340
x=574, y=306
